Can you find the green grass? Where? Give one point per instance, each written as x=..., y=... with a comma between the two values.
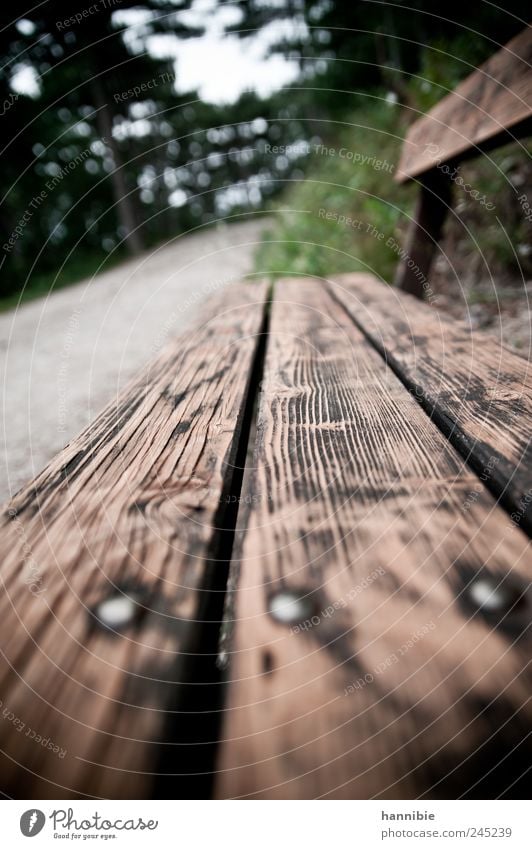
x=342, y=214
x=347, y=216
x=498, y=240
x=77, y=269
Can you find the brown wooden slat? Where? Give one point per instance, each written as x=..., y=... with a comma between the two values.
x=496, y=97
x=477, y=390
x=360, y=507
x=424, y=233
x=132, y=503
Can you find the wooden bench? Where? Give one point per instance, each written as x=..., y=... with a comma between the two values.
x=291, y=560
x=493, y=106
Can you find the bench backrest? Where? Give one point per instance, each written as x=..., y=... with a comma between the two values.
x=491, y=107
x=496, y=98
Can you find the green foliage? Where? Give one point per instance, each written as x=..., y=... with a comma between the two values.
x=133, y=155
x=443, y=64
x=168, y=162
x=369, y=212
x=496, y=240
x=81, y=266
x=346, y=209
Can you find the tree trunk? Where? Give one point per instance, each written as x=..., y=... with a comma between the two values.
x=124, y=202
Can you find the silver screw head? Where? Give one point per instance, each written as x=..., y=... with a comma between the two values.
x=289, y=607
x=492, y=596
x=117, y=612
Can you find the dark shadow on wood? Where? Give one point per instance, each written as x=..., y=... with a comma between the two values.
x=424, y=233
x=189, y=744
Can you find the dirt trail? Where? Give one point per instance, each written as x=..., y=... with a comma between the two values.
x=64, y=357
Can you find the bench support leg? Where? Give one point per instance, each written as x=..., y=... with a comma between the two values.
x=424, y=233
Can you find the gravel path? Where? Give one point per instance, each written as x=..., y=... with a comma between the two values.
x=64, y=357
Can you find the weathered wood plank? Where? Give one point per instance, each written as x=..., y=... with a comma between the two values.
x=383, y=679
x=479, y=391
x=424, y=233
x=130, y=509
x=494, y=98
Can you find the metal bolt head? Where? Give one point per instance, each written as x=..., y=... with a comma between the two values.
x=492, y=596
x=117, y=612
x=289, y=607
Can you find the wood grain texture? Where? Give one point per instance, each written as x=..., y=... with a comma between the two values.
x=128, y=508
x=495, y=97
x=478, y=390
x=394, y=685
